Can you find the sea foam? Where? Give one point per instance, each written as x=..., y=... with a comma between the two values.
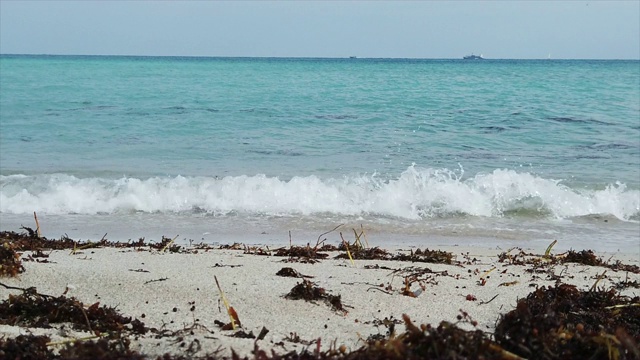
x=416, y=193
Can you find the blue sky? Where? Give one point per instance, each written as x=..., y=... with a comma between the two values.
x=428, y=29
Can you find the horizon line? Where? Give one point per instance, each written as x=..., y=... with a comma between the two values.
x=352, y=57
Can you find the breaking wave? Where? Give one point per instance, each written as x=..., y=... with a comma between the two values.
x=417, y=193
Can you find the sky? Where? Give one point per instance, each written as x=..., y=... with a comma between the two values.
x=387, y=29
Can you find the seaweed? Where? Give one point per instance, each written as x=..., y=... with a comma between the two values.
x=10, y=264
x=30, y=241
x=304, y=254
x=38, y=310
x=427, y=256
x=563, y=322
x=446, y=341
x=25, y=347
x=583, y=257
x=290, y=272
x=361, y=253
x=307, y=290
x=101, y=349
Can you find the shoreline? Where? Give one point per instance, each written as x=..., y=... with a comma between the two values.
x=173, y=291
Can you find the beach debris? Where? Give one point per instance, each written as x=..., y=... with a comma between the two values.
x=233, y=315
x=290, y=272
x=234, y=246
x=483, y=279
x=25, y=347
x=169, y=244
x=446, y=341
x=257, y=250
x=33, y=309
x=566, y=323
x=301, y=254
x=583, y=257
x=307, y=290
x=38, y=232
x=547, y=252
x=428, y=256
x=307, y=254
x=10, y=264
x=156, y=280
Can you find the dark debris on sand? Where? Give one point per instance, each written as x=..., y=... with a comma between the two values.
x=307, y=290
x=10, y=263
x=30, y=241
x=427, y=256
x=32, y=309
x=563, y=322
x=584, y=257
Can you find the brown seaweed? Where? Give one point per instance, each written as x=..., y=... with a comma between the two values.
x=307, y=290
x=563, y=322
x=38, y=310
x=25, y=347
x=427, y=256
x=290, y=272
x=10, y=264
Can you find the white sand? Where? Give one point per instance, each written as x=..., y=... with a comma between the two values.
x=253, y=289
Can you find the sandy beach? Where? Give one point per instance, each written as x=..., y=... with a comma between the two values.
x=173, y=291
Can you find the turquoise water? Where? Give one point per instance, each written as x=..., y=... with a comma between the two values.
x=489, y=148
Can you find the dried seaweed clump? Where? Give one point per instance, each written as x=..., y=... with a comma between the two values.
x=307, y=290
x=587, y=257
x=32, y=309
x=584, y=257
x=428, y=256
x=29, y=240
x=35, y=347
x=306, y=254
x=362, y=253
x=10, y=264
x=563, y=322
x=446, y=341
x=25, y=347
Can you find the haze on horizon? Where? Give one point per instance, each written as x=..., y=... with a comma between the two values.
x=430, y=29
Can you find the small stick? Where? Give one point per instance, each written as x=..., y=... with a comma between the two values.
x=71, y=341
x=325, y=233
x=548, y=251
x=85, y=315
x=346, y=244
x=600, y=277
x=621, y=306
x=37, y=225
x=358, y=241
x=365, y=235
x=486, y=302
x=226, y=304
x=488, y=272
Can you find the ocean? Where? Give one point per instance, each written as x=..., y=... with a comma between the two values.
x=417, y=152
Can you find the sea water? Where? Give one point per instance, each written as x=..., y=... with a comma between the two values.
x=500, y=152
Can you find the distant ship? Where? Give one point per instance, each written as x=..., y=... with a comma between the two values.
x=473, y=57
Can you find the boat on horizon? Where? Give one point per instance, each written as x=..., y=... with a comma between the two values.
x=473, y=57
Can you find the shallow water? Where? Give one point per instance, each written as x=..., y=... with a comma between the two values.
x=517, y=150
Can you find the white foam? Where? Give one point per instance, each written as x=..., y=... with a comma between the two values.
x=417, y=193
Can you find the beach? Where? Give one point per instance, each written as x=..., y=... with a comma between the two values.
x=489, y=162
x=173, y=290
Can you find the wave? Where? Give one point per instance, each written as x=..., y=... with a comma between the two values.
x=417, y=193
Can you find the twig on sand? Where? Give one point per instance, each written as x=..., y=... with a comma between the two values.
x=318, y=243
x=37, y=225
